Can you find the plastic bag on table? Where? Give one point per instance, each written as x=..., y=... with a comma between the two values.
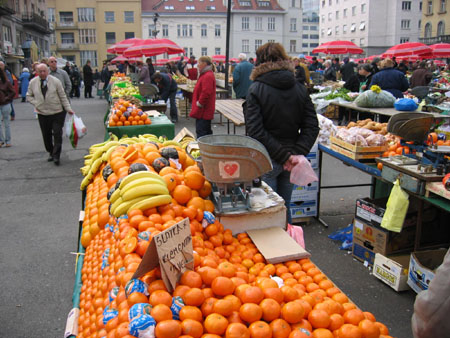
x=296, y=232
x=79, y=125
x=302, y=173
x=405, y=105
x=375, y=98
x=396, y=209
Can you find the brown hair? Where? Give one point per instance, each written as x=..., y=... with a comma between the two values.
x=206, y=59
x=271, y=52
x=387, y=63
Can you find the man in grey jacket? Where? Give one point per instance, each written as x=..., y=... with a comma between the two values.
x=60, y=74
x=241, y=77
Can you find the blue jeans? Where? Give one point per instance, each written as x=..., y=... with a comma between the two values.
x=5, y=112
x=278, y=180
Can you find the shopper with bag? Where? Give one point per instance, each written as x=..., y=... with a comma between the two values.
x=279, y=114
x=7, y=94
x=46, y=94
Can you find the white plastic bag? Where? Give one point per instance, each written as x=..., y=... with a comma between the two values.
x=302, y=173
x=68, y=123
x=79, y=125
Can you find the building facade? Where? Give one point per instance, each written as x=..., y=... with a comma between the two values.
x=435, y=22
x=198, y=26
x=25, y=35
x=373, y=25
x=310, y=26
x=84, y=29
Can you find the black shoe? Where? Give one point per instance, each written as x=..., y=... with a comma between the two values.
x=50, y=158
x=56, y=162
x=23, y=100
x=174, y=121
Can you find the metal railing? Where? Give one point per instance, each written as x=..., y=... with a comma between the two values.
x=436, y=39
x=68, y=46
x=6, y=7
x=35, y=20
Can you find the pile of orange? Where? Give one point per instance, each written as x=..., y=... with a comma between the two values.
x=124, y=113
x=229, y=294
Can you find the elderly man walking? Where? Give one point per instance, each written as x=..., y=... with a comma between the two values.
x=60, y=74
x=46, y=94
x=241, y=77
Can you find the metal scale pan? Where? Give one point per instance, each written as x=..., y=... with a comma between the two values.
x=411, y=126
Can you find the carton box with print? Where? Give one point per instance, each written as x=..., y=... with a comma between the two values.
x=422, y=268
x=392, y=270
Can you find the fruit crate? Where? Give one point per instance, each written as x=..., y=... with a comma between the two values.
x=355, y=155
x=356, y=148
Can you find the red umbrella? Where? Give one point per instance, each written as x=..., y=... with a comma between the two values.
x=235, y=60
x=153, y=47
x=119, y=47
x=161, y=62
x=338, y=47
x=122, y=59
x=439, y=62
x=407, y=49
x=175, y=59
x=218, y=58
x=441, y=50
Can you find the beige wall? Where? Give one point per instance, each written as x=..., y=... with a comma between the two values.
x=436, y=16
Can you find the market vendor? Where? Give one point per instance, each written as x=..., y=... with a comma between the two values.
x=329, y=73
x=421, y=76
x=360, y=81
x=390, y=79
x=277, y=129
x=167, y=91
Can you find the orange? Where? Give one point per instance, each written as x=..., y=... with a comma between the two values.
x=191, y=279
x=274, y=293
x=319, y=318
x=205, y=190
x=168, y=329
x=252, y=294
x=192, y=328
x=160, y=297
x=260, y=329
x=353, y=316
x=250, y=312
x=207, y=306
x=349, y=331
x=161, y=312
x=194, y=297
x=182, y=194
x=237, y=330
x=222, y=286
x=170, y=179
x=322, y=333
x=369, y=329
x=299, y=332
x=215, y=323
x=208, y=274
x=383, y=329
x=336, y=321
x=194, y=180
x=136, y=297
x=191, y=312
x=196, y=202
x=280, y=328
x=235, y=302
x=223, y=307
x=292, y=312
x=271, y=309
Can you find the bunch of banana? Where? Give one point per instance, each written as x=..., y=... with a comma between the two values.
x=186, y=140
x=139, y=190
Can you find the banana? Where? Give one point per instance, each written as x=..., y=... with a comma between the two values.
x=96, y=165
x=151, y=202
x=85, y=182
x=148, y=189
x=171, y=143
x=114, y=196
x=109, y=152
x=138, y=175
x=140, y=182
x=123, y=208
x=114, y=205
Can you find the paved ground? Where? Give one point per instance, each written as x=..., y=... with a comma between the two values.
x=39, y=208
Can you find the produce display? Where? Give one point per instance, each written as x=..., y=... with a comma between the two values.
x=123, y=88
x=327, y=128
x=180, y=79
x=232, y=292
x=365, y=133
x=340, y=93
x=375, y=98
x=124, y=113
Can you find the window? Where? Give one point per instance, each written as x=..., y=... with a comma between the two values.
x=313, y=45
x=217, y=30
x=329, y=16
x=305, y=45
x=245, y=46
x=314, y=36
x=354, y=10
x=258, y=23
x=323, y=3
x=406, y=6
x=86, y=14
x=53, y=38
x=217, y=50
x=405, y=24
x=362, y=42
x=165, y=31
x=442, y=7
x=323, y=19
x=87, y=36
x=258, y=43
x=420, y=6
x=305, y=36
x=204, y=30
x=292, y=46
x=7, y=33
x=245, y=23
x=245, y=3
x=336, y=30
x=110, y=37
x=427, y=30
x=353, y=27
x=419, y=25
x=362, y=25
x=264, y=3
x=403, y=40
x=66, y=18
x=51, y=14
x=293, y=25
x=430, y=7
x=270, y=40
x=271, y=23
x=190, y=8
x=344, y=29
x=204, y=51
x=345, y=12
x=210, y=8
x=329, y=31
x=129, y=35
x=168, y=8
x=306, y=28
x=330, y=2
x=314, y=28
x=190, y=30
x=337, y=15
x=128, y=16
x=90, y=55
x=292, y=3
x=109, y=17
x=67, y=38
x=363, y=8
x=322, y=32
x=441, y=28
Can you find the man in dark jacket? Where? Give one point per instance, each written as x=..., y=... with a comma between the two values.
x=315, y=65
x=88, y=79
x=151, y=68
x=402, y=67
x=336, y=66
x=348, y=69
x=241, y=77
x=360, y=81
x=376, y=65
x=390, y=79
x=75, y=79
x=106, y=77
x=421, y=76
x=167, y=90
x=277, y=129
x=329, y=74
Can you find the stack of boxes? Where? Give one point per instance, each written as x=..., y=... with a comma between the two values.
x=304, y=198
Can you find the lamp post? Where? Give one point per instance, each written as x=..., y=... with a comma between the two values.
x=155, y=20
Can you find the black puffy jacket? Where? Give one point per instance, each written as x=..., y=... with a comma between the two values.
x=279, y=112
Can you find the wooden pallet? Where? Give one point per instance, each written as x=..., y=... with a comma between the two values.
x=436, y=188
x=355, y=155
x=356, y=148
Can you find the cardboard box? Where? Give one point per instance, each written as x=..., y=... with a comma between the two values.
x=306, y=192
x=307, y=208
x=313, y=158
x=392, y=270
x=422, y=268
x=362, y=251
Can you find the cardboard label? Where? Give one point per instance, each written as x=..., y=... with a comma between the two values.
x=229, y=169
x=172, y=250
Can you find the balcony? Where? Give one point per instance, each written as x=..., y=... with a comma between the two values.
x=66, y=25
x=68, y=46
x=6, y=7
x=37, y=22
x=437, y=39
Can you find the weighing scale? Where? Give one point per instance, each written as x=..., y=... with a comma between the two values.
x=231, y=163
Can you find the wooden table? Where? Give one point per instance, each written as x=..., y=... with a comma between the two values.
x=233, y=111
x=160, y=107
x=220, y=94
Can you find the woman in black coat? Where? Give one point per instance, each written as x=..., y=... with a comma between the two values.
x=88, y=78
x=360, y=81
x=277, y=108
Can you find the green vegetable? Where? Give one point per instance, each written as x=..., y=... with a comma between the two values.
x=342, y=93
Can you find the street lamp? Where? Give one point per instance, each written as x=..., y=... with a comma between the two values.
x=155, y=20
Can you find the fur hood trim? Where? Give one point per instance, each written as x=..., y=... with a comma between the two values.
x=270, y=67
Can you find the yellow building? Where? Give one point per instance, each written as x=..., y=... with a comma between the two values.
x=435, y=25
x=84, y=29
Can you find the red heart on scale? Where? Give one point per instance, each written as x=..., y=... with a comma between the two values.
x=230, y=169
